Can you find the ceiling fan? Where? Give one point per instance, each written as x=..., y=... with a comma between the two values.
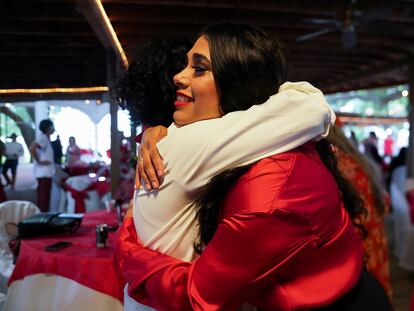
x=349, y=17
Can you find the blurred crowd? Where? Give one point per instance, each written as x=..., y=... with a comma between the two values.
x=56, y=168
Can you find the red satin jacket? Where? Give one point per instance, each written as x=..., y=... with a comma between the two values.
x=284, y=242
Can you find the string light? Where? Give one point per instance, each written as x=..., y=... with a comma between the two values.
x=112, y=32
x=55, y=90
x=372, y=120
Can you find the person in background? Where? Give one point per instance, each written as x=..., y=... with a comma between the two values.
x=125, y=191
x=396, y=162
x=73, y=152
x=2, y=151
x=44, y=168
x=57, y=150
x=371, y=148
x=14, y=150
x=58, y=177
x=388, y=146
x=354, y=140
x=3, y=196
x=354, y=167
x=373, y=157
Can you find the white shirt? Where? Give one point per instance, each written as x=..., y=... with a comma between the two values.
x=44, y=153
x=14, y=150
x=165, y=219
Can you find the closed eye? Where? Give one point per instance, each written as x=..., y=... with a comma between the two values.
x=199, y=69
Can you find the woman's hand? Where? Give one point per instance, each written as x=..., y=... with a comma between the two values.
x=150, y=167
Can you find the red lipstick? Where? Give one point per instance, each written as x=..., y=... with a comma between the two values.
x=182, y=99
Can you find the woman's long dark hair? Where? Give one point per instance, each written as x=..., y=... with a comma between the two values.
x=249, y=67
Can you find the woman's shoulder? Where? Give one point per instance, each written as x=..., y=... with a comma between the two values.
x=284, y=163
x=258, y=187
x=283, y=181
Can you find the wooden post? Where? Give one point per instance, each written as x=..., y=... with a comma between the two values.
x=133, y=134
x=410, y=151
x=112, y=61
x=96, y=16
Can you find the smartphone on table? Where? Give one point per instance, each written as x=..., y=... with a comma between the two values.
x=55, y=247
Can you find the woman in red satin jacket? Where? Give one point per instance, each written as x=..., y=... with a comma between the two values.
x=284, y=242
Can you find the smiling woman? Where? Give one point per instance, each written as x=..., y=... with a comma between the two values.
x=197, y=97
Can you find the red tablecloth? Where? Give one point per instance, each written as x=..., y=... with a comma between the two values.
x=81, y=262
x=82, y=169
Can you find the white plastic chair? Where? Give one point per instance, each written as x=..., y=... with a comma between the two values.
x=403, y=228
x=14, y=211
x=92, y=202
x=11, y=211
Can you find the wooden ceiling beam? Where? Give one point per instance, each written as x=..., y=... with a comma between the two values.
x=39, y=11
x=36, y=45
x=27, y=56
x=187, y=15
x=75, y=27
x=295, y=59
x=320, y=7
x=328, y=65
x=56, y=73
x=47, y=37
x=48, y=32
x=378, y=70
x=159, y=24
x=340, y=57
x=286, y=35
x=42, y=60
x=70, y=69
x=212, y=11
x=361, y=51
x=149, y=17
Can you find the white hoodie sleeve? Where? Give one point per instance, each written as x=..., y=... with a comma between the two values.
x=295, y=115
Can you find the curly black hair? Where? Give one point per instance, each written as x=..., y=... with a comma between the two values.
x=146, y=89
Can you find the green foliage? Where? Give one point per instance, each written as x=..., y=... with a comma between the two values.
x=9, y=126
x=388, y=102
